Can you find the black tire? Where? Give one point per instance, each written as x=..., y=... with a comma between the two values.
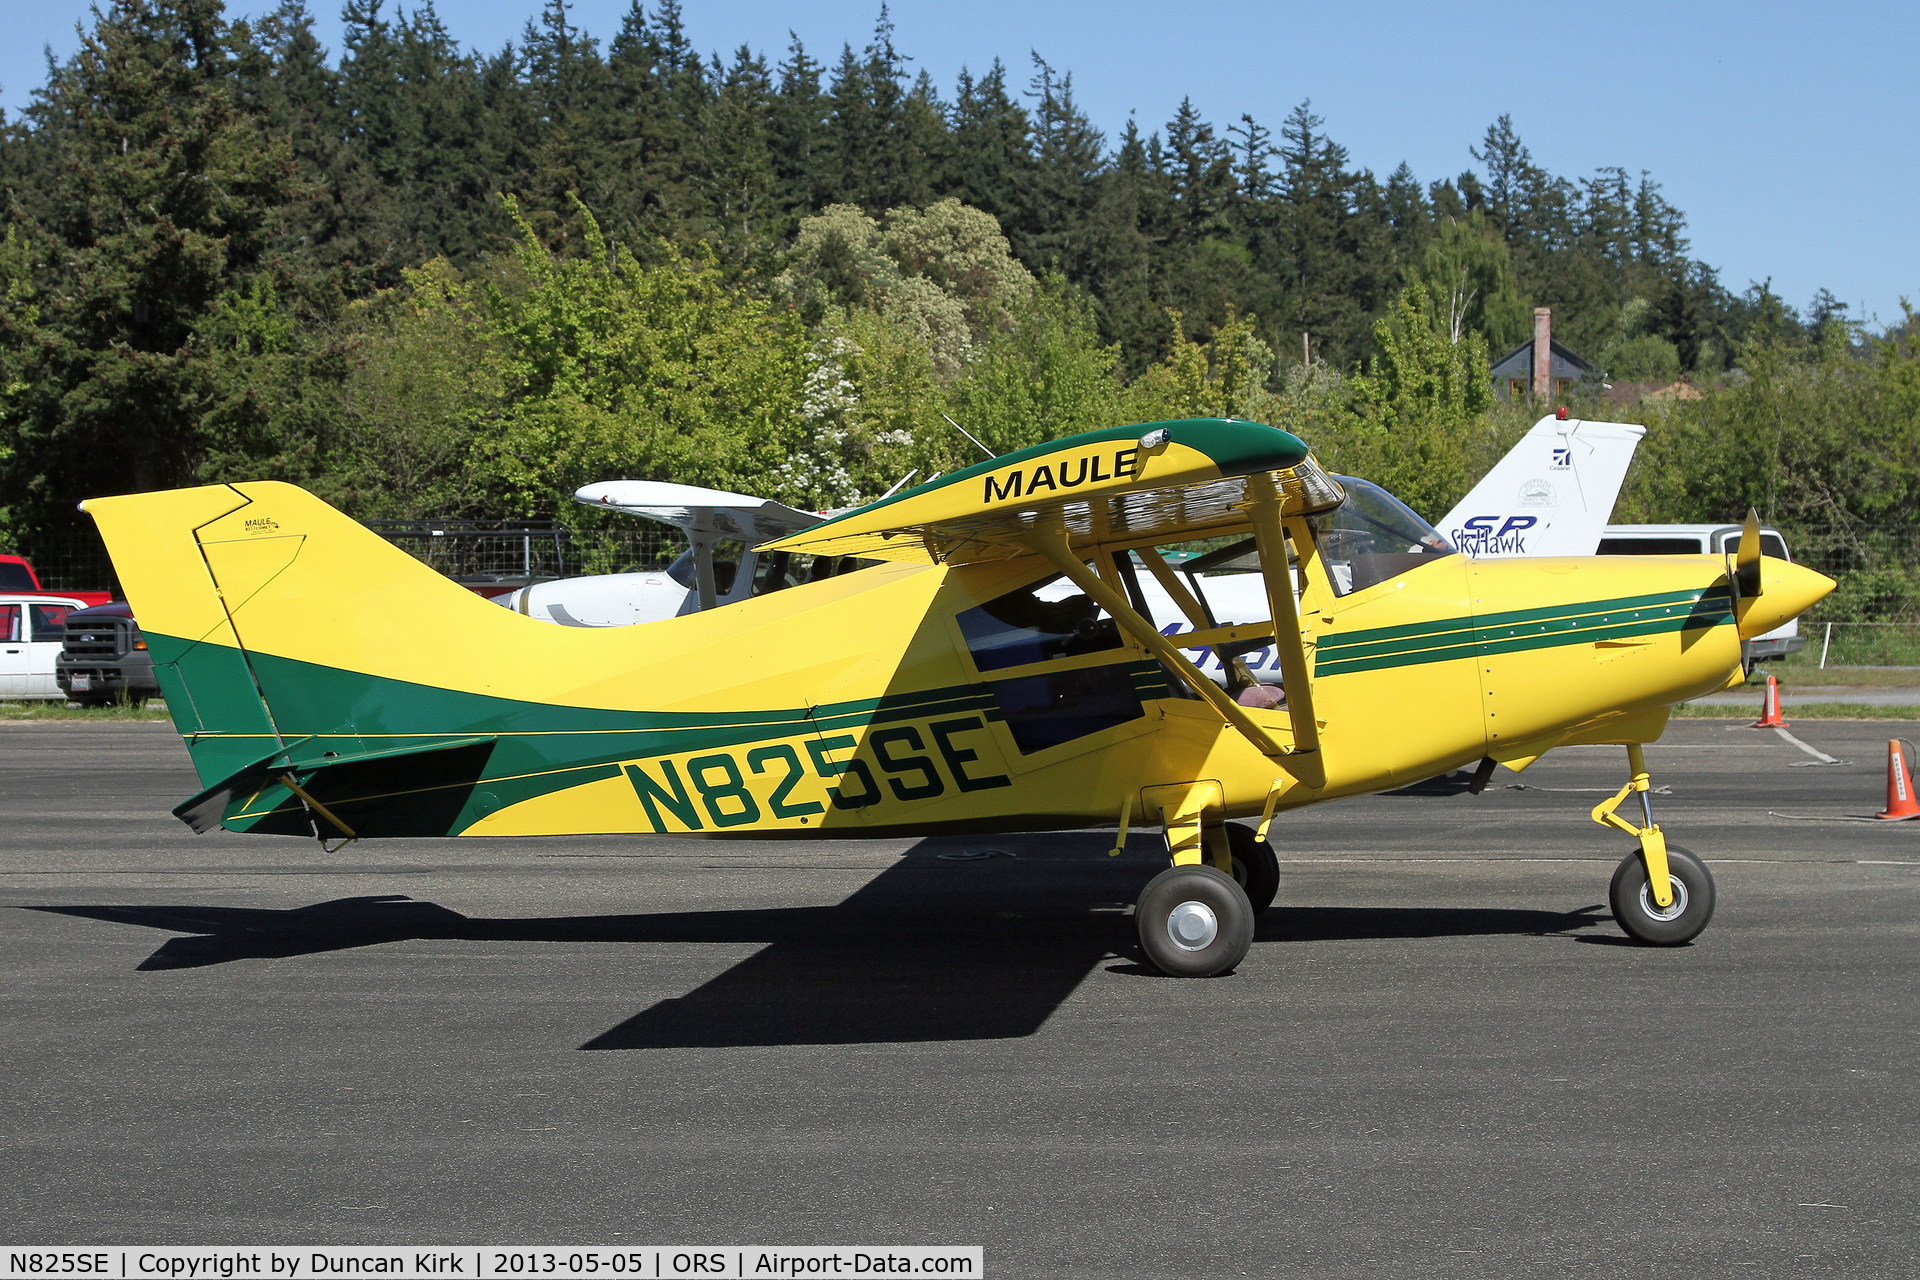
x=1214, y=914
x=1255, y=868
x=1631, y=896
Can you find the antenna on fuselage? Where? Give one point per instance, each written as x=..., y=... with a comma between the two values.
x=969, y=435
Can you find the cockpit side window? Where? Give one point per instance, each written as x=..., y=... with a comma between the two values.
x=1036, y=623
x=1373, y=537
x=1043, y=620
x=1052, y=619
x=727, y=554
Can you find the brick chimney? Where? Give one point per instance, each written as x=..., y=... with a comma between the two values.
x=1542, y=355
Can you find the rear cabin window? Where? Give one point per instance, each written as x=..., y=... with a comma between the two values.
x=779, y=570
x=14, y=577
x=9, y=623
x=50, y=621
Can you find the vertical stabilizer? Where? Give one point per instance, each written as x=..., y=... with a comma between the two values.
x=1551, y=495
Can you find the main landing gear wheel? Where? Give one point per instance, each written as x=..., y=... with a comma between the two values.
x=1631, y=896
x=1194, y=922
x=1255, y=868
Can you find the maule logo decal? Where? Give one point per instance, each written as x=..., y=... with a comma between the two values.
x=1091, y=470
x=262, y=525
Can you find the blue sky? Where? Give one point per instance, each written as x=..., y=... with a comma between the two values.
x=1784, y=131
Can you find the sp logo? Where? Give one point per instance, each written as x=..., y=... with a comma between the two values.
x=261, y=525
x=1563, y=459
x=1490, y=536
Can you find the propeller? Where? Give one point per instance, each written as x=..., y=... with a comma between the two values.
x=1746, y=561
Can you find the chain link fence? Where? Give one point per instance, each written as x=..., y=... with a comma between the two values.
x=1860, y=644
x=475, y=553
x=1877, y=567
x=508, y=553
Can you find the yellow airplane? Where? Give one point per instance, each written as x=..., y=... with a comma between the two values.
x=993, y=671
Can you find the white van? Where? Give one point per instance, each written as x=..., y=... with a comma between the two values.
x=32, y=630
x=1707, y=539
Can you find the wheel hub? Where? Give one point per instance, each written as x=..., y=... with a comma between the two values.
x=1192, y=926
x=1658, y=912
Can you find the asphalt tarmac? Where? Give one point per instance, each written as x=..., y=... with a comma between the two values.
x=1442, y=1058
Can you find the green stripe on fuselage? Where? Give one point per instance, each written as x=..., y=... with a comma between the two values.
x=1522, y=629
x=542, y=747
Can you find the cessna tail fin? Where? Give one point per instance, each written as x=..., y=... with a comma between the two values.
x=1551, y=495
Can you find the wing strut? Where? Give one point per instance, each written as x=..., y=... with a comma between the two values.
x=1052, y=543
x=1271, y=540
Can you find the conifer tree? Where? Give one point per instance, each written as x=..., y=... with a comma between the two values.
x=165, y=215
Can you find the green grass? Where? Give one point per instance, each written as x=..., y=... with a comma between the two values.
x=1857, y=646
x=1804, y=711
x=60, y=711
x=1804, y=674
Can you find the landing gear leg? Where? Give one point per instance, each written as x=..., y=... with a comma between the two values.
x=1255, y=867
x=1660, y=895
x=1194, y=918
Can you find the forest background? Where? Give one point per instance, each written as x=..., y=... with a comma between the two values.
x=427, y=282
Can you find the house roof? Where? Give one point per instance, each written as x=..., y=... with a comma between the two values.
x=1518, y=363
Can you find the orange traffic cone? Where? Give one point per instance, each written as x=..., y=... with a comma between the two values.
x=1900, y=801
x=1770, y=707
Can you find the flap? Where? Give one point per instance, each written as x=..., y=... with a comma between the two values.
x=1162, y=481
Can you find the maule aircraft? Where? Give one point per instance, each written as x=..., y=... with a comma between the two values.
x=1551, y=495
x=999, y=669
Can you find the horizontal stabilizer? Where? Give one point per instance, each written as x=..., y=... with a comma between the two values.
x=206, y=810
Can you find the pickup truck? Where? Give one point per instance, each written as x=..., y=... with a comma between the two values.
x=16, y=575
x=32, y=630
x=104, y=659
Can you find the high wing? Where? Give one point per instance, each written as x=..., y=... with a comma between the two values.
x=698, y=511
x=1552, y=493
x=1157, y=482
x=1128, y=487
x=706, y=516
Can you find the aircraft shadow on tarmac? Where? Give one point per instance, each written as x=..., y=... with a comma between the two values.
x=960, y=947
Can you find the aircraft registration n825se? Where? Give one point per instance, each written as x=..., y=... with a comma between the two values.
x=998, y=670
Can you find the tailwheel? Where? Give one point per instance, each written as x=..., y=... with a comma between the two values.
x=1194, y=922
x=1680, y=922
x=1255, y=868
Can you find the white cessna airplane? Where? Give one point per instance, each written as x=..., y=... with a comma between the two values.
x=720, y=566
x=1551, y=495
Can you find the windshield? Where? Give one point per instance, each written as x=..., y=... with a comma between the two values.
x=1373, y=537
